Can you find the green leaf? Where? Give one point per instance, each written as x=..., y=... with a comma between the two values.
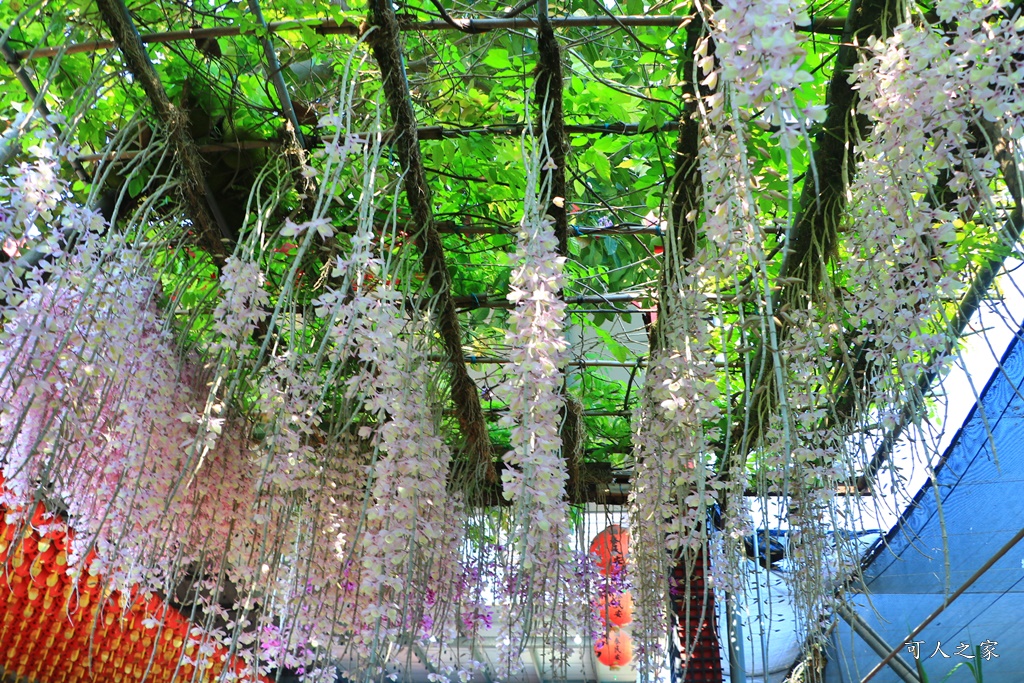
x=599, y=162
x=497, y=58
x=618, y=351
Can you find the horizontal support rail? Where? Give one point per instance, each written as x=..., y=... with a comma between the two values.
x=425, y=133
x=824, y=25
x=581, y=363
x=468, y=303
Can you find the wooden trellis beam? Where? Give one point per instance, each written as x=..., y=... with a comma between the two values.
x=475, y=301
x=517, y=129
x=385, y=45
x=602, y=484
x=685, y=184
x=583, y=363
x=822, y=25
x=597, y=483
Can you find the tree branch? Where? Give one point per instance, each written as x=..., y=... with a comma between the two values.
x=812, y=239
x=199, y=201
x=551, y=123
x=384, y=42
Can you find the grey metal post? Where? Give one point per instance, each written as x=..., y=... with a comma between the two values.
x=734, y=631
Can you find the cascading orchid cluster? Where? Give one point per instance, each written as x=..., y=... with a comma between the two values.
x=809, y=462
x=402, y=554
x=542, y=589
x=409, y=543
x=912, y=198
x=679, y=400
x=112, y=441
x=985, y=62
x=98, y=417
x=34, y=216
x=735, y=235
x=920, y=180
x=760, y=56
x=65, y=401
x=95, y=422
x=675, y=487
x=538, y=479
x=735, y=259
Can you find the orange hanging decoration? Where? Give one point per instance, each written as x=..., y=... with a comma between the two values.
x=55, y=626
x=615, y=650
x=611, y=547
x=616, y=608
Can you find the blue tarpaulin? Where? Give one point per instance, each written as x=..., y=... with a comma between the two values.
x=956, y=523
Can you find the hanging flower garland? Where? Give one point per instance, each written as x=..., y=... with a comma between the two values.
x=539, y=596
x=917, y=89
x=760, y=55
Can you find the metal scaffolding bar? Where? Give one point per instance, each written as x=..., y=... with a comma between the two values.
x=947, y=602
x=823, y=25
x=474, y=301
x=876, y=642
x=276, y=76
x=581, y=363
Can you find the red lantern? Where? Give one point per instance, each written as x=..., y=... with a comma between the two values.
x=616, y=608
x=615, y=650
x=611, y=547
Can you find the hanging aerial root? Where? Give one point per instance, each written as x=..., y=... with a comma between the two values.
x=573, y=438
x=814, y=235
